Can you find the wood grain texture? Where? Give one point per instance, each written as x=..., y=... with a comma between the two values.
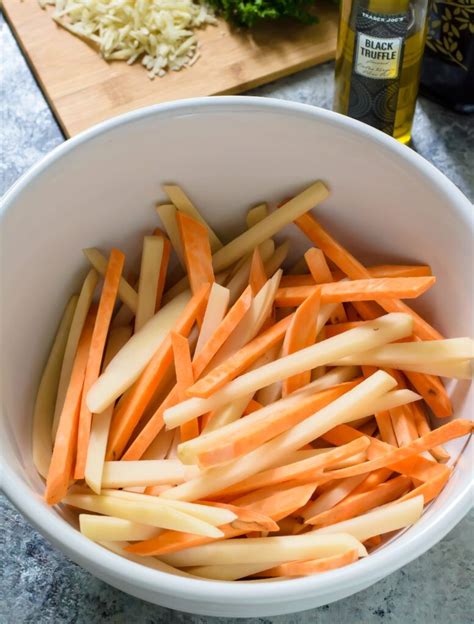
x=83, y=89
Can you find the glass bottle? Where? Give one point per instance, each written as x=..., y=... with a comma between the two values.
x=379, y=51
x=447, y=74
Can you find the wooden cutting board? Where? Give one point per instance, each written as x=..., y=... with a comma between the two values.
x=83, y=89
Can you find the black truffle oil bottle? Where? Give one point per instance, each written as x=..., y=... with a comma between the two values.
x=379, y=51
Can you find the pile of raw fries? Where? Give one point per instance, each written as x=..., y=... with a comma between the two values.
x=246, y=422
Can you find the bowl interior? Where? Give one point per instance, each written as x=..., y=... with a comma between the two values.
x=386, y=205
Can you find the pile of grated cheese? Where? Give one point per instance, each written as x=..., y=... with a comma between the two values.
x=160, y=33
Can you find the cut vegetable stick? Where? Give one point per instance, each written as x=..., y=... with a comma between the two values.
x=269, y=226
x=357, y=290
x=300, y=334
x=314, y=566
x=357, y=504
x=277, y=258
x=126, y=293
x=355, y=270
x=347, y=407
x=321, y=274
x=167, y=214
x=423, y=427
x=132, y=359
x=149, y=562
x=268, y=549
x=450, y=431
x=239, y=281
x=256, y=214
x=152, y=256
x=429, y=386
x=197, y=251
x=43, y=413
x=215, y=312
x=302, y=469
x=334, y=494
x=384, y=520
x=99, y=337
x=456, y=370
x=222, y=331
x=249, y=518
x=383, y=270
x=231, y=572
x=80, y=315
x=184, y=205
x=400, y=270
x=184, y=379
x=212, y=513
x=378, y=332
x=99, y=528
x=241, y=360
x=65, y=444
x=257, y=277
x=128, y=415
x=246, y=434
x=118, y=474
x=404, y=354
x=101, y=422
x=149, y=513
x=165, y=258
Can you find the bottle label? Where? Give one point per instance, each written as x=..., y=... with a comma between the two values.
x=378, y=57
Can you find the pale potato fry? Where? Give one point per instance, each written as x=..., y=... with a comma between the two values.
x=161, y=516
x=80, y=314
x=43, y=413
x=119, y=474
x=391, y=517
x=266, y=550
x=101, y=422
x=246, y=242
x=152, y=257
x=167, y=214
x=256, y=214
x=108, y=528
x=184, y=204
x=215, y=516
x=130, y=361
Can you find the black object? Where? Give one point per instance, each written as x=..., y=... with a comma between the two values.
x=447, y=74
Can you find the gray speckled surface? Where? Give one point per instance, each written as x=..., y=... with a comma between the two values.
x=40, y=585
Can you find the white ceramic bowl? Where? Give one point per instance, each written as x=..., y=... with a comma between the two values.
x=98, y=189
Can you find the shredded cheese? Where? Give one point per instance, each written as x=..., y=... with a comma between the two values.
x=160, y=33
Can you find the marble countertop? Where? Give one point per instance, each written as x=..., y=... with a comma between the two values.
x=40, y=585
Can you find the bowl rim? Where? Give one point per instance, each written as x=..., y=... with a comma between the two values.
x=110, y=565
